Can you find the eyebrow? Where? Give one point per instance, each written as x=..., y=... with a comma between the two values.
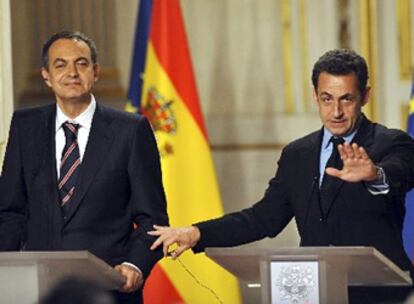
x=64, y=60
x=346, y=95
x=326, y=93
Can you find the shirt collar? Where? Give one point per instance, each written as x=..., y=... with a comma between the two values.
x=327, y=136
x=84, y=119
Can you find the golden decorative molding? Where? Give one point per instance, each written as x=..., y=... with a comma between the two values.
x=344, y=33
x=405, y=48
x=287, y=55
x=405, y=112
x=306, y=99
x=368, y=40
x=287, y=40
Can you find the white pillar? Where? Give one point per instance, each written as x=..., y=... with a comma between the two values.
x=6, y=79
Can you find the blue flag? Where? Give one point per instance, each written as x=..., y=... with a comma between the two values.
x=408, y=231
x=139, y=55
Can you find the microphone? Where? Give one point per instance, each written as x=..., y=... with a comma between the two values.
x=315, y=181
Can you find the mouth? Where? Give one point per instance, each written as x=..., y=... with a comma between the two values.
x=72, y=83
x=338, y=123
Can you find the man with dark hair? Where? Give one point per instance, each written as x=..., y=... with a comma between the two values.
x=342, y=62
x=77, y=36
x=354, y=200
x=80, y=176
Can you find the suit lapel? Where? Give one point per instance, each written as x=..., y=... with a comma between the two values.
x=100, y=139
x=51, y=151
x=45, y=175
x=46, y=137
x=312, y=157
x=364, y=136
x=310, y=169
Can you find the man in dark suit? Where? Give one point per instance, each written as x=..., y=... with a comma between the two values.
x=80, y=176
x=359, y=204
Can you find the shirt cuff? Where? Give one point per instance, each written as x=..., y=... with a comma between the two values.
x=380, y=185
x=133, y=266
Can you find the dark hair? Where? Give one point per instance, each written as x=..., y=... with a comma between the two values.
x=341, y=62
x=68, y=35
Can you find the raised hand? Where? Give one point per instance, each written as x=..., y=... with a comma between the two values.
x=184, y=237
x=357, y=164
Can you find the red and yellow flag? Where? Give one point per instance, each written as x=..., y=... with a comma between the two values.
x=163, y=88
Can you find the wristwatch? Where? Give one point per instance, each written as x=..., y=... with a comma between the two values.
x=380, y=174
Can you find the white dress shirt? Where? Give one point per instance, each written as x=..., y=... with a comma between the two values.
x=85, y=122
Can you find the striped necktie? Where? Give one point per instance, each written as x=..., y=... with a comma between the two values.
x=69, y=165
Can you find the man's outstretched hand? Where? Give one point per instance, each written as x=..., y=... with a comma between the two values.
x=357, y=164
x=184, y=237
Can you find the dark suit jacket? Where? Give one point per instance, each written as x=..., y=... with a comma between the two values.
x=356, y=217
x=119, y=184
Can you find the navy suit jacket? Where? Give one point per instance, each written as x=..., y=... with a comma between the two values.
x=119, y=184
x=355, y=218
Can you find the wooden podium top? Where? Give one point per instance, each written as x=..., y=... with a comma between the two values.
x=364, y=265
x=55, y=265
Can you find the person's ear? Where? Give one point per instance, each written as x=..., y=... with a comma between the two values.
x=96, y=71
x=315, y=95
x=366, y=96
x=45, y=76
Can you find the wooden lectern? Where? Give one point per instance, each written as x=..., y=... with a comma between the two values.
x=282, y=273
x=27, y=276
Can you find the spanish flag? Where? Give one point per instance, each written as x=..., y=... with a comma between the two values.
x=408, y=230
x=163, y=88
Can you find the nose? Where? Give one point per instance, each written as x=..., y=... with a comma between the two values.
x=73, y=71
x=337, y=108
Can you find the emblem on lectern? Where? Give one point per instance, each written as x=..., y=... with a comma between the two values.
x=295, y=283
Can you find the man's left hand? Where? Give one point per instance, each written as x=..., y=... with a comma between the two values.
x=357, y=164
x=133, y=278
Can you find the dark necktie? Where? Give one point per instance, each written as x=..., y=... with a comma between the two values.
x=327, y=191
x=69, y=165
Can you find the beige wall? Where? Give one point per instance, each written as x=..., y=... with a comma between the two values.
x=6, y=90
x=21, y=32
x=240, y=59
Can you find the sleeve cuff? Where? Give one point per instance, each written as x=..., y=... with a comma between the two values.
x=133, y=266
x=380, y=185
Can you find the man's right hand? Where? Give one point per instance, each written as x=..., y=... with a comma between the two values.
x=184, y=237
